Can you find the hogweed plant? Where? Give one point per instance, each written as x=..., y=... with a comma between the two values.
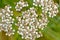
x=30, y=22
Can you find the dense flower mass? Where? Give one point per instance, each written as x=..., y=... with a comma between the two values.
x=6, y=20
x=28, y=24
x=20, y=5
x=48, y=6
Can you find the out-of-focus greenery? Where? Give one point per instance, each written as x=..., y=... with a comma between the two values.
x=51, y=32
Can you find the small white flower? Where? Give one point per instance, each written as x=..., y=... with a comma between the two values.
x=6, y=20
x=20, y=5
x=29, y=24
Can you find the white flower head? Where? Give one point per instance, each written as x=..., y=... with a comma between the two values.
x=6, y=19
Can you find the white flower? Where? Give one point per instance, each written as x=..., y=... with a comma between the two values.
x=29, y=24
x=6, y=20
x=20, y=5
x=48, y=6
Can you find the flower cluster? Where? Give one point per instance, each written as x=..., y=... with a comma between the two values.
x=20, y=5
x=6, y=20
x=37, y=2
x=29, y=24
x=48, y=6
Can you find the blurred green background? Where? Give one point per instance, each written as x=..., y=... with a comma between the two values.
x=51, y=32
